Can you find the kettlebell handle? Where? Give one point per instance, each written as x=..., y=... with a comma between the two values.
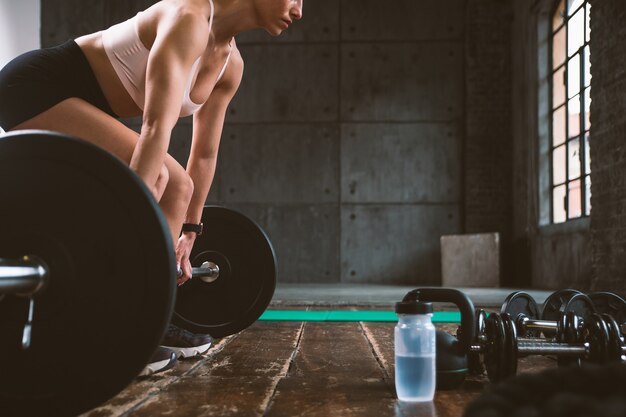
x=458, y=298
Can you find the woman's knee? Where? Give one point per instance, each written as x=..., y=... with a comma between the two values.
x=180, y=183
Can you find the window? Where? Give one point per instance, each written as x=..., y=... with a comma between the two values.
x=571, y=84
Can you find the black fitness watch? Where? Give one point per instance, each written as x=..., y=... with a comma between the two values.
x=192, y=227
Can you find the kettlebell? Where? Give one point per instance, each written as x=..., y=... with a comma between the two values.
x=451, y=359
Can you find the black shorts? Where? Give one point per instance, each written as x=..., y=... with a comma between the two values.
x=37, y=80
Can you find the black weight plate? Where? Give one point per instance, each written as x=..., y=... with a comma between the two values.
x=596, y=333
x=247, y=277
x=615, y=340
x=520, y=302
x=609, y=303
x=494, y=347
x=510, y=346
x=569, y=332
x=112, y=267
x=553, y=305
x=581, y=305
x=474, y=359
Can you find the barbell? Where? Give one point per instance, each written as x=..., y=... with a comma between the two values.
x=88, y=275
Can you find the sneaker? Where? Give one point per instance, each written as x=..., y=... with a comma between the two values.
x=162, y=359
x=185, y=343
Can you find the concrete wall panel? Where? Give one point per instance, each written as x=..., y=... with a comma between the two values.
x=281, y=88
x=404, y=163
x=67, y=19
x=402, y=20
x=394, y=244
x=279, y=163
x=402, y=82
x=305, y=239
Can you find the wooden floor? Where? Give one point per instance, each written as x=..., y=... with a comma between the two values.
x=292, y=369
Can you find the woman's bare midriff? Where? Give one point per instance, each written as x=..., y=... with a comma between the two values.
x=120, y=101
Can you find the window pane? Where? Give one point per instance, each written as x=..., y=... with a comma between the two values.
x=573, y=76
x=588, y=195
x=558, y=204
x=587, y=108
x=558, y=165
x=576, y=32
x=558, y=126
x=587, y=63
x=572, y=5
x=558, y=87
x=557, y=19
x=558, y=48
x=573, y=159
x=573, y=117
x=587, y=35
x=574, y=208
x=587, y=155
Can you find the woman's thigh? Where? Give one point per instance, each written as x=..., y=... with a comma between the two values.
x=78, y=118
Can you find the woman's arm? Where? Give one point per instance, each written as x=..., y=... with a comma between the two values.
x=208, y=123
x=181, y=38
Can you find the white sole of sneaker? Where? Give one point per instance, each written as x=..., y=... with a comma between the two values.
x=191, y=351
x=155, y=367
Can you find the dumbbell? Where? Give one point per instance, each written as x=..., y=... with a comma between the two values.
x=600, y=342
x=494, y=338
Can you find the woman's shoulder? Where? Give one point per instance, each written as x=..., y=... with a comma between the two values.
x=186, y=19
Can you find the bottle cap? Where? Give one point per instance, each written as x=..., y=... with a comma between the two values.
x=414, y=307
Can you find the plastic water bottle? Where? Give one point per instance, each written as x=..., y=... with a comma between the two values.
x=414, y=338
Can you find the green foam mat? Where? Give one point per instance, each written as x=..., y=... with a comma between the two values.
x=350, y=315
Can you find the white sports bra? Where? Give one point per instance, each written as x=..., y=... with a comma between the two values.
x=129, y=58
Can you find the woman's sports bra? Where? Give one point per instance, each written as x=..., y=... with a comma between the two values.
x=129, y=58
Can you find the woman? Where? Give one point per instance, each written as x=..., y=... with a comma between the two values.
x=176, y=58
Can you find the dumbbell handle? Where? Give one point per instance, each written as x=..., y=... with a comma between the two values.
x=208, y=272
x=530, y=346
x=24, y=276
x=525, y=348
x=538, y=324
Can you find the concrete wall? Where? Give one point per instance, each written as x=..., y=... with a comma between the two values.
x=488, y=152
x=20, y=23
x=345, y=140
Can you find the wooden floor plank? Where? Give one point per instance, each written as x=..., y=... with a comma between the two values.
x=334, y=373
x=144, y=388
x=238, y=381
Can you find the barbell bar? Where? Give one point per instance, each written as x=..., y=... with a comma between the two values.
x=24, y=276
x=207, y=272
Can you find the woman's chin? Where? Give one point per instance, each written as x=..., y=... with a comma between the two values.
x=274, y=31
